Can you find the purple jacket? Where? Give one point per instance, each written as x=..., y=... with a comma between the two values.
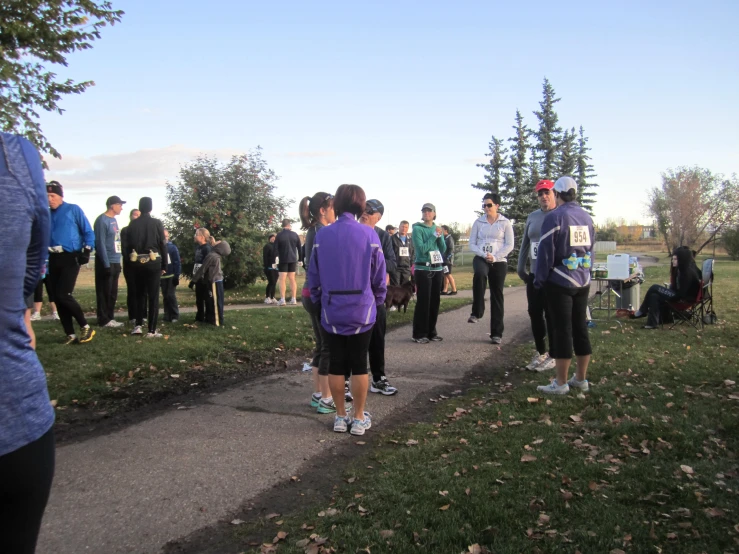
x=347, y=276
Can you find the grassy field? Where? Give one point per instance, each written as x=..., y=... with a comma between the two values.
x=647, y=461
x=116, y=365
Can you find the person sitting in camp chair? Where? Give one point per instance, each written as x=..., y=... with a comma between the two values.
x=684, y=286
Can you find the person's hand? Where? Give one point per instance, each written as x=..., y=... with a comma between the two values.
x=191, y=286
x=438, y=231
x=84, y=256
x=107, y=271
x=176, y=281
x=164, y=271
x=490, y=258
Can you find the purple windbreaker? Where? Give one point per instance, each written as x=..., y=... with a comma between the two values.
x=347, y=276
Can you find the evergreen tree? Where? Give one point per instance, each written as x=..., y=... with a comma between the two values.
x=494, y=167
x=568, y=154
x=549, y=134
x=584, y=174
x=517, y=200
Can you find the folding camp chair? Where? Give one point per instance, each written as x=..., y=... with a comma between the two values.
x=709, y=316
x=688, y=312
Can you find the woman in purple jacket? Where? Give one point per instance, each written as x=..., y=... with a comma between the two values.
x=347, y=281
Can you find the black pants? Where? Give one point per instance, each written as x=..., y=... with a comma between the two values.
x=213, y=303
x=272, y=276
x=146, y=279
x=377, y=345
x=492, y=276
x=654, y=302
x=428, y=297
x=132, y=302
x=349, y=353
x=38, y=293
x=106, y=291
x=63, y=271
x=400, y=276
x=541, y=323
x=169, y=298
x=201, y=297
x=321, y=354
x=568, y=309
x=25, y=481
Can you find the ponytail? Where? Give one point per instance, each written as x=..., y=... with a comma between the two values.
x=212, y=240
x=306, y=221
x=310, y=208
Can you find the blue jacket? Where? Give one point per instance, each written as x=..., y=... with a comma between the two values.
x=568, y=221
x=174, y=267
x=347, y=276
x=70, y=228
x=25, y=411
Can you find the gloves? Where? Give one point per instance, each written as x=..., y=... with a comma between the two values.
x=84, y=256
x=176, y=281
x=192, y=285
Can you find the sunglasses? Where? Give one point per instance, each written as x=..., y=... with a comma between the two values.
x=427, y=210
x=488, y=205
x=543, y=192
x=370, y=211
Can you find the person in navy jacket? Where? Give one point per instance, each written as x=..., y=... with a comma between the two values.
x=170, y=280
x=563, y=271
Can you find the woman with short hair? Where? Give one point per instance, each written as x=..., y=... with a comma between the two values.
x=347, y=281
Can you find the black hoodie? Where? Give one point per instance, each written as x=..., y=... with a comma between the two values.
x=687, y=280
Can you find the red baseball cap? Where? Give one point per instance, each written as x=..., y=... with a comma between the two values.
x=544, y=184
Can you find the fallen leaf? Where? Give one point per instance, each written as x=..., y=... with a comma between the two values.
x=528, y=458
x=302, y=543
x=575, y=418
x=280, y=537
x=687, y=469
x=387, y=533
x=272, y=516
x=237, y=521
x=443, y=493
x=532, y=400
x=715, y=512
x=445, y=507
x=411, y=442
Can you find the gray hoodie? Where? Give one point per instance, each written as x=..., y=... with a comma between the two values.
x=211, y=271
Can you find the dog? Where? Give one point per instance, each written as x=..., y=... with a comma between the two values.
x=400, y=296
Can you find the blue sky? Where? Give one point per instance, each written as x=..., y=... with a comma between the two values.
x=398, y=97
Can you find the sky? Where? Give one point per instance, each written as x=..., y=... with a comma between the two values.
x=400, y=97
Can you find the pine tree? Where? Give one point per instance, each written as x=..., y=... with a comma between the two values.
x=568, y=154
x=517, y=200
x=549, y=134
x=494, y=167
x=584, y=174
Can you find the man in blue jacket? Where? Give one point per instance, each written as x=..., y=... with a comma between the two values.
x=108, y=262
x=70, y=244
x=170, y=280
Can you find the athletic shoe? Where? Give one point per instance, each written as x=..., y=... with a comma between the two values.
x=650, y=327
x=153, y=335
x=137, y=330
x=274, y=301
x=293, y=302
x=583, y=385
x=637, y=314
x=326, y=406
x=307, y=367
x=451, y=293
x=281, y=302
x=472, y=319
x=341, y=424
x=537, y=360
x=348, y=398
x=71, y=339
x=174, y=321
x=496, y=340
x=393, y=309
x=113, y=323
x=86, y=334
x=268, y=301
x=554, y=388
x=315, y=398
x=437, y=338
x=547, y=364
x=35, y=316
x=55, y=316
x=382, y=386
x=359, y=427
x=422, y=340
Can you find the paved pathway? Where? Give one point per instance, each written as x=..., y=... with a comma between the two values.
x=162, y=479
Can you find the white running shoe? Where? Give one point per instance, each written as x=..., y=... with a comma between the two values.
x=281, y=302
x=547, y=364
x=137, y=330
x=393, y=309
x=35, y=316
x=536, y=360
x=268, y=301
x=584, y=386
x=113, y=323
x=293, y=302
x=554, y=388
x=55, y=316
x=341, y=424
x=154, y=335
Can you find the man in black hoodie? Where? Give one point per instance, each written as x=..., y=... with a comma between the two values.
x=373, y=213
x=268, y=260
x=288, y=251
x=146, y=252
x=405, y=253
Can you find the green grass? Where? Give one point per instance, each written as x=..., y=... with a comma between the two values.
x=644, y=462
x=115, y=365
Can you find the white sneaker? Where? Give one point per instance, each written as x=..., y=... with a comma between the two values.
x=137, y=330
x=341, y=424
x=55, y=316
x=359, y=426
x=154, y=335
x=113, y=323
x=281, y=302
x=554, y=388
x=293, y=302
x=268, y=301
x=536, y=360
x=584, y=386
x=547, y=364
x=35, y=316
x=393, y=309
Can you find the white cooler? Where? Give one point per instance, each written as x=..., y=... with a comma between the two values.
x=618, y=266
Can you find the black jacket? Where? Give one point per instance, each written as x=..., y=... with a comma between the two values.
x=387, y=249
x=287, y=247
x=201, y=251
x=145, y=234
x=403, y=262
x=268, y=256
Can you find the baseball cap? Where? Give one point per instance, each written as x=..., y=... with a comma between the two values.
x=430, y=206
x=544, y=184
x=114, y=200
x=374, y=206
x=564, y=184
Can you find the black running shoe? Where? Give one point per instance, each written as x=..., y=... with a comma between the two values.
x=382, y=387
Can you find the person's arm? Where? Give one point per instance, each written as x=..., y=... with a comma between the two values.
x=547, y=249
x=389, y=253
x=101, y=237
x=88, y=235
x=523, y=253
x=202, y=270
x=176, y=262
x=474, y=241
x=378, y=281
x=508, y=239
x=38, y=246
x=162, y=246
x=314, y=277
x=299, y=247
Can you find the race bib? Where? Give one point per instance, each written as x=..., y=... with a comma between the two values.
x=436, y=257
x=446, y=269
x=488, y=248
x=534, y=252
x=196, y=267
x=579, y=235
x=56, y=249
x=117, y=246
x=404, y=252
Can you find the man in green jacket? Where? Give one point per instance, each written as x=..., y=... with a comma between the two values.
x=429, y=245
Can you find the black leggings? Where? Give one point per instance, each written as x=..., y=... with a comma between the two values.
x=272, y=276
x=541, y=323
x=492, y=276
x=428, y=297
x=654, y=301
x=63, y=271
x=146, y=279
x=568, y=309
x=349, y=353
x=377, y=345
x=321, y=355
x=25, y=481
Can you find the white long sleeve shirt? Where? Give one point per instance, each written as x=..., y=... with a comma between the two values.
x=495, y=239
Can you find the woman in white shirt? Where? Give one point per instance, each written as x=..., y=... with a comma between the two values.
x=491, y=240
